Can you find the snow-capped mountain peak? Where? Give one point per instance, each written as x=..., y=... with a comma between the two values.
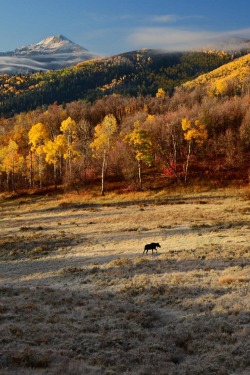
x=51, y=44
x=54, y=52
x=55, y=41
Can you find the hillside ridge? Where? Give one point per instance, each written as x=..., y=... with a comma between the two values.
x=133, y=73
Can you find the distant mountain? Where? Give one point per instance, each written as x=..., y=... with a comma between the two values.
x=53, y=52
x=51, y=44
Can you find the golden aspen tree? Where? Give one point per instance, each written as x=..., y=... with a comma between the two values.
x=141, y=141
x=11, y=162
x=161, y=93
x=3, y=169
x=19, y=134
x=54, y=151
x=38, y=135
x=217, y=88
x=194, y=133
x=103, y=142
x=69, y=130
x=84, y=130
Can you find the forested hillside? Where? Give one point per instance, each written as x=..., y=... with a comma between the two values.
x=229, y=79
x=123, y=143
x=131, y=74
x=128, y=132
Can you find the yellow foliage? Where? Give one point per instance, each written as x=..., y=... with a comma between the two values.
x=67, y=142
x=68, y=127
x=103, y=135
x=220, y=87
x=141, y=141
x=194, y=131
x=161, y=93
x=19, y=134
x=38, y=134
x=186, y=124
x=151, y=118
x=10, y=159
x=218, y=80
x=55, y=149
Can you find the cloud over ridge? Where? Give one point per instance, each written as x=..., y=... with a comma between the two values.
x=179, y=39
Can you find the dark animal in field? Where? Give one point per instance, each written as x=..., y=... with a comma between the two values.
x=151, y=246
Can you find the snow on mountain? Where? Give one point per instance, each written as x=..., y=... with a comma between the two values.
x=51, y=44
x=54, y=52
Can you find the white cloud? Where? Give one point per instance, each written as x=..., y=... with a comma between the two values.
x=9, y=63
x=172, y=18
x=176, y=39
x=167, y=18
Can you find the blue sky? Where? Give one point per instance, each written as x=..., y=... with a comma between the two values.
x=115, y=26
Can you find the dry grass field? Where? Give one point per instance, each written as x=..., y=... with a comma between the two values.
x=79, y=297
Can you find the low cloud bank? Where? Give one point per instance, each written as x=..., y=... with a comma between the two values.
x=178, y=39
x=19, y=64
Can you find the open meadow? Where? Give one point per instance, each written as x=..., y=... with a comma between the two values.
x=78, y=296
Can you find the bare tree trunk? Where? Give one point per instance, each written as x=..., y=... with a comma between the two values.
x=31, y=170
x=139, y=175
x=70, y=168
x=13, y=176
x=103, y=172
x=60, y=169
x=40, y=171
x=8, y=181
x=187, y=162
x=55, y=175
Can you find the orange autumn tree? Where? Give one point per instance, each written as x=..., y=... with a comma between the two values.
x=194, y=133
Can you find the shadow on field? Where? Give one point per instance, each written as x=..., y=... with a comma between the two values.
x=35, y=244
x=156, y=201
x=107, y=268
x=17, y=201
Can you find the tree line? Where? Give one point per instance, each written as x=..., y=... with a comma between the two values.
x=188, y=135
